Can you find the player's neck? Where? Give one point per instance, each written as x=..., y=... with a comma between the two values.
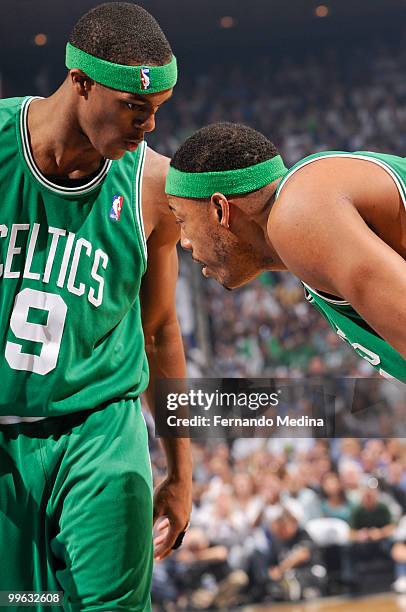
x=58, y=145
x=258, y=219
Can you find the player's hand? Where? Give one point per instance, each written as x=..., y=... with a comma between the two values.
x=172, y=506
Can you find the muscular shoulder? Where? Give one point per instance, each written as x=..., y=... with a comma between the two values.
x=154, y=201
x=317, y=212
x=155, y=210
x=305, y=199
x=322, y=180
x=155, y=171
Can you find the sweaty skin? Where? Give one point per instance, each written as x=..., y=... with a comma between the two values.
x=71, y=132
x=340, y=226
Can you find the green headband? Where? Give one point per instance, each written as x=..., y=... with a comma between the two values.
x=228, y=182
x=134, y=79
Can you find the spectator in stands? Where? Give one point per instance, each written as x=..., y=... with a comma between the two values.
x=351, y=478
x=248, y=503
x=270, y=488
x=289, y=567
x=220, y=474
x=294, y=561
x=371, y=528
x=394, y=483
x=220, y=523
x=197, y=559
x=335, y=503
x=350, y=450
x=321, y=464
x=295, y=489
x=204, y=574
x=371, y=520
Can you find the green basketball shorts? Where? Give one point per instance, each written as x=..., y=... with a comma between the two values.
x=76, y=508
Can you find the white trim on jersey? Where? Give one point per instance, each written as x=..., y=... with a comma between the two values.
x=138, y=196
x=397, y=179
x=13, y=420
x=325, y=298
x=82, y=190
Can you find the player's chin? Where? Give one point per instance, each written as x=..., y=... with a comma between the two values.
x=112, y=150
x=230, y=281
x=116, y=153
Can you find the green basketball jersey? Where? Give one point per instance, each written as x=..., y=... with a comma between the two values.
x=71, y=264
x=345, y=321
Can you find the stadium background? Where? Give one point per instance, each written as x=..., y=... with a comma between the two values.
x=311, y=75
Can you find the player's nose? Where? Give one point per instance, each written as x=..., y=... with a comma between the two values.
x=149, y=124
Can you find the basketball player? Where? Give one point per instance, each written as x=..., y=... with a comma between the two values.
x=75, y=479
x=336, y=220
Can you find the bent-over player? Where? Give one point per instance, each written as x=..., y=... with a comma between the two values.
x=336, y=220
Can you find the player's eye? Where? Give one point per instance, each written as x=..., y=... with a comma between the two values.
x=133, y=107
x=179, y=221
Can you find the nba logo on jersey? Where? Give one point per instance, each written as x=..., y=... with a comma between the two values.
x=145, y=80
x=115, y=211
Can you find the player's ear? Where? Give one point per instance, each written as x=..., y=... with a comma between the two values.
x=222, y=208
x=81, y=82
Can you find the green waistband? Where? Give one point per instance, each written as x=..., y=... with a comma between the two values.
x=134, y=79
x=228, y=182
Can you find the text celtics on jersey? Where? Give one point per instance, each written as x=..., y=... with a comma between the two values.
x=61, y=267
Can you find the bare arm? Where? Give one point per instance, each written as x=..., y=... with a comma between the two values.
x=322, y=239
x=296, y=558
x=379, y=533
x=166, y=359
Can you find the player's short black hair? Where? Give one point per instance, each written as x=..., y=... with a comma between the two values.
x=122, y=33
x=223, y=146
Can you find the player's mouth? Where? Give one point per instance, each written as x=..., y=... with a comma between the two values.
x=204, y=268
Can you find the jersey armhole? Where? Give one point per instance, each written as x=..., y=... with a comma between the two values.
x=400, y=185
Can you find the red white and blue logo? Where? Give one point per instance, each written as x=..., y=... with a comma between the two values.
x=115, y=211
x=144, y=77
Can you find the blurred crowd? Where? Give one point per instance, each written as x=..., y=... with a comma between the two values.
x=288, y=520
x=268, y=329
x=341, y=98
